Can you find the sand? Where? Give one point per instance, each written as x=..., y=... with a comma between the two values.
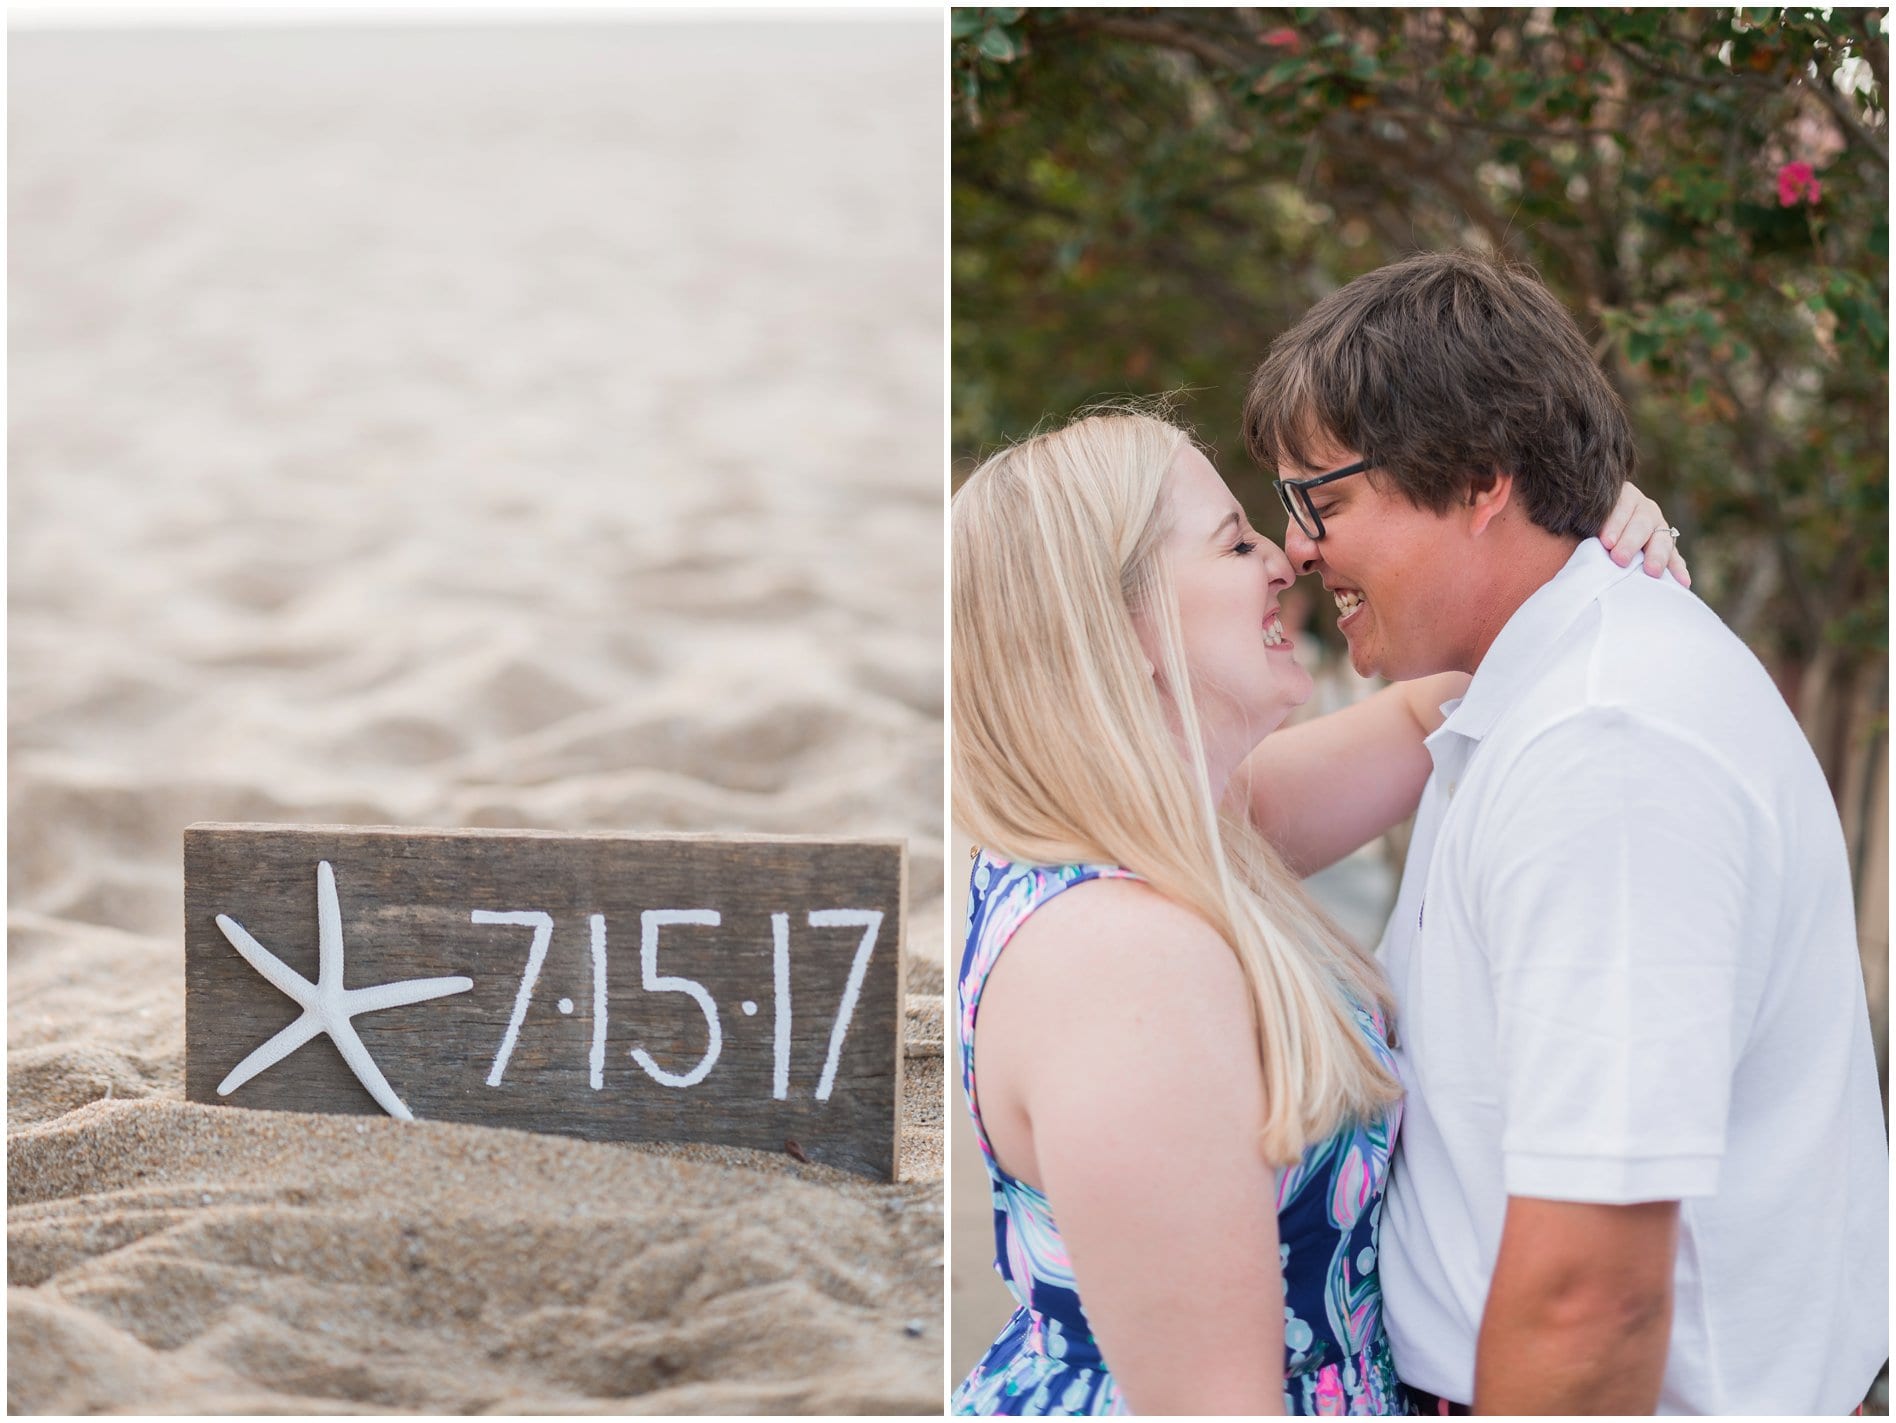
x=530, y=428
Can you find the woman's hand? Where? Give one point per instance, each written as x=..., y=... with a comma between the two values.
x=1636, y=524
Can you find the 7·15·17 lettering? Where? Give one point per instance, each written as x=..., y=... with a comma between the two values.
x=651, y=921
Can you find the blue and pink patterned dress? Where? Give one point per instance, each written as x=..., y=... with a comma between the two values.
x=1045, y=1362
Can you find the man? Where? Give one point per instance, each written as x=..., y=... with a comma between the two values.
x=1642, y=1165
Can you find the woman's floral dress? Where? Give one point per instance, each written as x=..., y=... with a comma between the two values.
x=1045, y=1362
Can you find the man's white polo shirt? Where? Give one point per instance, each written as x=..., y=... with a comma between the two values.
x=1626, y=968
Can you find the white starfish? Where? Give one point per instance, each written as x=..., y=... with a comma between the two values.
x=327, y=1005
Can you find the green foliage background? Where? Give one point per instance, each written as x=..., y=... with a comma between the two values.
x=1144, y=198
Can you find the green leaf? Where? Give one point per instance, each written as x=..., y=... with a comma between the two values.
x=1145, y=214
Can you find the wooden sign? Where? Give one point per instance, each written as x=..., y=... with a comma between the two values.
x=742, y=991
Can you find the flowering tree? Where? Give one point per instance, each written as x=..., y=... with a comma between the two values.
x=1144, y=198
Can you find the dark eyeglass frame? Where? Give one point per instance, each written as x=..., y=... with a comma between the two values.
x=1295, y=495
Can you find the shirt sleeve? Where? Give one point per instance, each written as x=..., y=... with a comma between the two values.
x=1624, y=862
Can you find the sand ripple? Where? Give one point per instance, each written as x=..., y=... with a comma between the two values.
x=485, y=428
x=531, y=1273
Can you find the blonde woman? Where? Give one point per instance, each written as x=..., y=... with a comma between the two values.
x=1180, y=1058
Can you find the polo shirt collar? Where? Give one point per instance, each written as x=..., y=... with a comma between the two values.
x=1529, y=636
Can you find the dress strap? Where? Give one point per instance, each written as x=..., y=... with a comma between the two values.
x=1001, y=894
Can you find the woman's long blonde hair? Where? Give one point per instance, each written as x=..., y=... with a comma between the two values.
x=1064, y=750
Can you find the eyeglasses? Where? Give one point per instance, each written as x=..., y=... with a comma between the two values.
x=1296, y=496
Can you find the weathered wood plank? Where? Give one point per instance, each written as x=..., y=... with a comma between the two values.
x=610, y=1040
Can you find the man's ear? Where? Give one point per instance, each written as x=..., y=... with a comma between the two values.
x=1485, y=505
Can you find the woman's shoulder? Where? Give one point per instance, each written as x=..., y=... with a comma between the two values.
x=1118, y=1001
x=1003, y=893
x=1113, y=937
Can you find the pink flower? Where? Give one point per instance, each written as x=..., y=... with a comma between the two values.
x=1798, y=184
x=1283, y=39
x=1330, y=1400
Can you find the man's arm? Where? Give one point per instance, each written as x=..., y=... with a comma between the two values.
x=1580, y=1310
x=1622, y=862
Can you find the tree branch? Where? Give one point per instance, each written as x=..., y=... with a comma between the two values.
x=1875, y=51
x=1760, y=440
x=1845, y=114
x=1017, y=197
x=1658, y=70
x=1422, y=110
x=1163, y=34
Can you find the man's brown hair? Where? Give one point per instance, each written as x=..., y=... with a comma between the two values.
x=1443, y=370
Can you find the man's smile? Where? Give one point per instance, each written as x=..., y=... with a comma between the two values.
x=1349, y=602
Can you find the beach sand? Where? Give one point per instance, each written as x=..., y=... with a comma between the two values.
x=535, y=428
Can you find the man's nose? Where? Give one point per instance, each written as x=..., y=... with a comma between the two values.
x=1301, y=549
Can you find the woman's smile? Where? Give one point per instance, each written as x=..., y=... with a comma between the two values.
x=1275, y=638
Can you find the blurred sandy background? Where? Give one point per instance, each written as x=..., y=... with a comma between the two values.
x=533, y=427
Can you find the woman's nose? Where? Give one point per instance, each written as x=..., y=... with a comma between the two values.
x=1279, y=565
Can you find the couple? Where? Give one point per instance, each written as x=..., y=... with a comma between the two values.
x=1615, y=1037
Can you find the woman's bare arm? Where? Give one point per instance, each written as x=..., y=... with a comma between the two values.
x=1325, y=787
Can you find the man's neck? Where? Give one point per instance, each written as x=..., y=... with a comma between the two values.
x=1533, y=558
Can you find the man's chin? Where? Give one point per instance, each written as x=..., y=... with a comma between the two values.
x=1364, y=661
